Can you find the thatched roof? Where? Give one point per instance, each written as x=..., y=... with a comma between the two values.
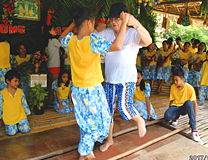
x=177, y=7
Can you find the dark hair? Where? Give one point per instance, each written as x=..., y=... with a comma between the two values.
x=179, y=39
x=80, y=15
x=60, y=78
x=200, y=45
x=166, y=42
x=47, y=35
x=192, y=39
x=187, y=43
x=178, y=72
x=12, y=74
x=142, y=83
x=196, y=41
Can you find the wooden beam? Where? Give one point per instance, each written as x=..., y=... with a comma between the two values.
x=196, y=9
x=176, y=8
x=180, y=1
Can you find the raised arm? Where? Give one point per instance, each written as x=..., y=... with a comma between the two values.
x=145, y=40
x=66, y=31
x=117, y=44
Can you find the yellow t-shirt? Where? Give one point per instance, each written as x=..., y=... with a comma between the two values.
x=180, y=97
x=193, y=50
x=185, y=56
x=63, y=91
x=13, y=111
x=138, y=61
x=150, y=54
x=138, y=94
x=21, y=60
x=165, y=54
x=202, y=56
x=4, y=55
x=85, y=65
x=204, y=75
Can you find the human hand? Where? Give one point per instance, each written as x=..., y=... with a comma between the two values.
x=149, y=58
x=133, y=22
x=198, y=59
x=61, y=107
x=64, y=56
x=72, y=106
x=183, y=61
x=124, y=17
x=150, y=117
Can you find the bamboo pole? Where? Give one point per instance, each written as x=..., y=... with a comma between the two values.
x=147, y=144
x=68, y=149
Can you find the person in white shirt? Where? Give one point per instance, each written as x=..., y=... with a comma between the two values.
x=120, y=68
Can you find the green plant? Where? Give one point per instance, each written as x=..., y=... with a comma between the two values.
x=37, y=96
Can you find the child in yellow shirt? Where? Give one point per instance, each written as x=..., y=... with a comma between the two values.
x=62, y=93
x=14, y=106
x=141, y=98
x=182, y=102
x=90, y=105
x=203, y=81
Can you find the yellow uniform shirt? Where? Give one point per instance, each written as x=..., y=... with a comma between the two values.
x=202, y=56
x=138, y=61
x=165, y=54
x=4, y=55
x=193, y=50
x=180, y=97
x=204, y=75
x=184, y=56
x=21, y=60
x=63, y=91
x=138, y=94
x=85, y=65
x=13, y=110
x=150, y=54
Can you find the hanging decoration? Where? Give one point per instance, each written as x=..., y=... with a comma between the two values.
x=8, y=12
x=49, y=17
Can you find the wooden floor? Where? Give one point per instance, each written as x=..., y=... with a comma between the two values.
x=51, y=119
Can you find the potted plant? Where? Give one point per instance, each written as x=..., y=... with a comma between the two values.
x=37, y=96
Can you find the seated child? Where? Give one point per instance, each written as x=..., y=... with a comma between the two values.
x=182, y=101
x=62, y=93
x=14, y=106
x=141, y=98
x=204, y=81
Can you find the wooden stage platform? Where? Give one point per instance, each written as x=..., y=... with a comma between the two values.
x=51, y=125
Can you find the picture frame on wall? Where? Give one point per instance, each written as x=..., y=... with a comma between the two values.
x=27, y=9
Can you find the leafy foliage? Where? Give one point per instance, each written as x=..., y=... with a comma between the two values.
x=186, y=33
x=37, y=96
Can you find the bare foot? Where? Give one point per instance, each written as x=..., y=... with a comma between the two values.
x=87, y=157
x=105, y=146
x=158, y=89
x=200, y=104
x=141, y=127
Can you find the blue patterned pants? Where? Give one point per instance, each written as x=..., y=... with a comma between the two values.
x=125, y=92
x=23, y=126
x=202, y=93
x=3, y=71
x=163, y=73
x=149, y=72
x=194, y=78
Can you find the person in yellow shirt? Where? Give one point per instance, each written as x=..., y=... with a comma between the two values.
x=149, y=57
x=193, y=49
x=90, y=105
x=182, y=102
x=141, y=98
x=164, y=71
x=62, y=93
x=13, y=106
x=138, y=61
x=203, y=81
x=4, y=62
x=182, y=58
x=19, y=63
x=195, y=76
